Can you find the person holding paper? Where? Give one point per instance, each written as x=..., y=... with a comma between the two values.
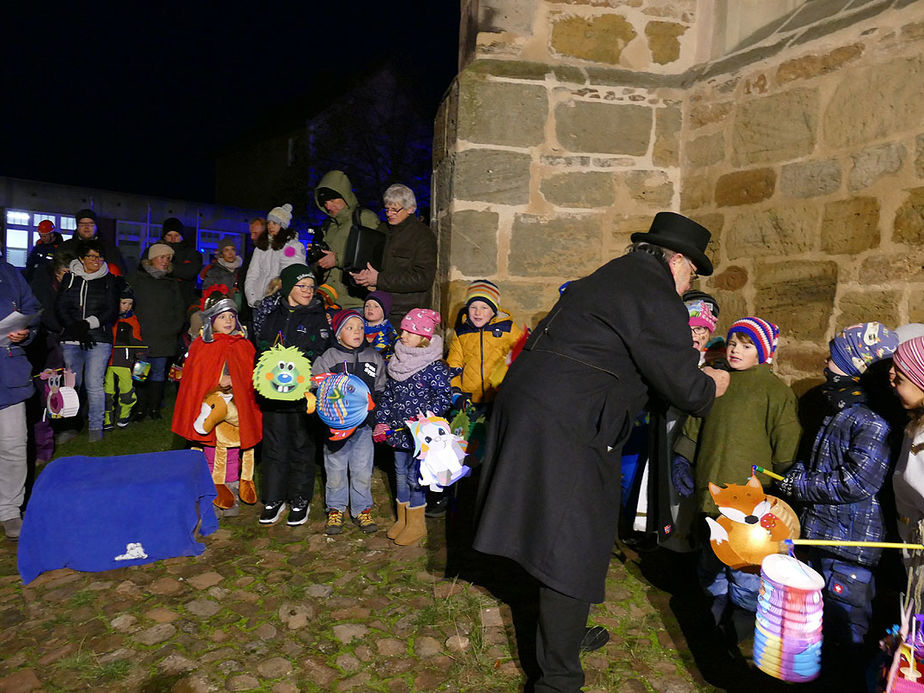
x=15, y=389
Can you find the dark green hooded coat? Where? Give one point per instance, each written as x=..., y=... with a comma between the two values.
x=337, y=232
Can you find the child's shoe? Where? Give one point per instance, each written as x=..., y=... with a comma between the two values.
x=365, y=521
x=122, y=423
x=272, y=512
x=334, y=521
x=416, y=528
x=398, y=527
x=298, y=515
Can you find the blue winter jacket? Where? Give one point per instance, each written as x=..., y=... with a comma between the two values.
x=15, y=370
x=427, y=390
x=839, y=488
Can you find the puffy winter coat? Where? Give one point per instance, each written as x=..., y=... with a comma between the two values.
x=408, y=266
x=266, y=265
x=476, y=351
x=15, y=371
x=93, y=297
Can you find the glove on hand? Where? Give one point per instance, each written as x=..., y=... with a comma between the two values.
x=682, y=476
x=379, y=432
x=786, y=485
x=76, y=331
x=460, y=399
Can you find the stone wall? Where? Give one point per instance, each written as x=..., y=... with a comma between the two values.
x=571, y=124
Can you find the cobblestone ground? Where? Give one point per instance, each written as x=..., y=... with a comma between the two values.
x=289, y=609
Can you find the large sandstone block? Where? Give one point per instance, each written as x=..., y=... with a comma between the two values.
x=668, y=122
x=599, y=39
x=775, y=128
x=745, y=187
x=810, y=66
x=846, y=121
x=580, y=189
x=529, y=302
x=664, y=41
x=696, y=192
x=503, y=113
x=870, y=164
x=583, y=126
x=797, y=295
x=715, y=222
x=732, y=306
x=909, y=219
x=897, y=267
x=732, y=278
x=810, y=178
x=919, y=156
x=850, y=226
x=705, y=150
x=491, y=175
x=650, y=187
x=566, y=246
x=710, y=112
x=864, y=306
x=787, y=230
x=473, y=241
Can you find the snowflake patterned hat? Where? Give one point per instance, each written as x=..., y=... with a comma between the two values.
x=421, y=321
x=765, y=336
x=856, y=348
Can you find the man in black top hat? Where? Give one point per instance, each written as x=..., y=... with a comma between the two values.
x=550, y=487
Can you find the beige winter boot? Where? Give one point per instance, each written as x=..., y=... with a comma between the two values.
x=398, y=527
x=416, y=528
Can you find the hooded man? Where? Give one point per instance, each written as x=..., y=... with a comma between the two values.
x=334, y=196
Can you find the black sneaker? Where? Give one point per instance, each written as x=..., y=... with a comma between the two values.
x=272, y=512
x=437, y=508
x=108, y=427
x=298, y=514
x=594, y=638
x=123, y=423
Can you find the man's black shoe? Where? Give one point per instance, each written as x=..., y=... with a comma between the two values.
x=594, y=638
x=437, y=508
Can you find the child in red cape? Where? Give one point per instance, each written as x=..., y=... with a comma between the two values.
x=219, y=367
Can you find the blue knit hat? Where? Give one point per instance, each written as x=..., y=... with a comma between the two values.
x=855, y=348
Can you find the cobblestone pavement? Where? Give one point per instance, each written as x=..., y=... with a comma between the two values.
x=290, y=609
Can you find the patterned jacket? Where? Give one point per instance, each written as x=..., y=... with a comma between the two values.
x=839, y=488
x=427, y=390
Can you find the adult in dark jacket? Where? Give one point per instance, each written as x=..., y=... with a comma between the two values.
x=550, y=489
x=43, y=252
x=187, y=261
x=296, y=319
x=87, y=230
x=160, y=307
x=15, y=389
x=409, y=257
x=87, y=306
x=257, y=229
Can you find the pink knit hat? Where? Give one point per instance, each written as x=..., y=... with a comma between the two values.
x=420, y=321
x=910, y=360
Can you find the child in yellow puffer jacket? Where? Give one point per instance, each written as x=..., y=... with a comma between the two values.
x=484, y=337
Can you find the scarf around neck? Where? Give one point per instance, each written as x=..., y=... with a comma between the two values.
x=842, y=391
x=409, y=360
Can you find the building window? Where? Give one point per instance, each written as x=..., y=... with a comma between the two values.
x=68, y=224
x=17, y=218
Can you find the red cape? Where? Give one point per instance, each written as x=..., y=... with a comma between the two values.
x=200, y=375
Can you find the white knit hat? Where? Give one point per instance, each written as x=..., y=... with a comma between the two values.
x=281, y=215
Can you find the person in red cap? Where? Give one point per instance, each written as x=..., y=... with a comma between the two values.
x=43, y=252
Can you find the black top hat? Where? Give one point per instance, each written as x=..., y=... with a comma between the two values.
x=675, y=232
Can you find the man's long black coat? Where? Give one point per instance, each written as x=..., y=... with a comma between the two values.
x=549, y=495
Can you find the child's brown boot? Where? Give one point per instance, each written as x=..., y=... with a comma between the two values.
x=416, y=528
x=398, y=527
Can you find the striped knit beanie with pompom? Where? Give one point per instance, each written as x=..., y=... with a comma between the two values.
x=765, y=336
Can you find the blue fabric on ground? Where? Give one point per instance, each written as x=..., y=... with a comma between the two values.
x=86, y=513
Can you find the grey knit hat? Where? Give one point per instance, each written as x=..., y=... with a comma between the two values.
x=281, y=215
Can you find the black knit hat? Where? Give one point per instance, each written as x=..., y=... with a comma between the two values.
x=172, y=224
x=675, y=232
x=325, y=194
x=85, y=214
x=127, y=292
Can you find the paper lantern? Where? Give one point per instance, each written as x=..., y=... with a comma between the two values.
x=788, y=626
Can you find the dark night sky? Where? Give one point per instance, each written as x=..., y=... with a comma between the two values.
x=139, y=100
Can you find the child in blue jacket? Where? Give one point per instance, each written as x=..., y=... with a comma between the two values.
x=418, y=382
x=839, y=486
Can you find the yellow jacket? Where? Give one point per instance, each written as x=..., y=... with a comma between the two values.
x=475, y=354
